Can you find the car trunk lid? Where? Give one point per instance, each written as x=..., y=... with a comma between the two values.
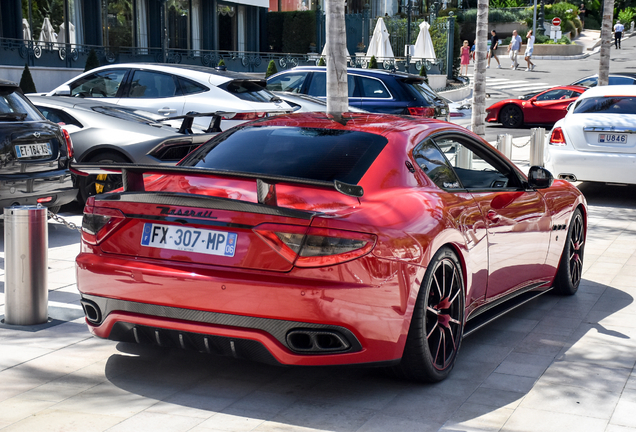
x=605, y=133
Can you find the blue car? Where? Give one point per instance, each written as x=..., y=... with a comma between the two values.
x=373, y=90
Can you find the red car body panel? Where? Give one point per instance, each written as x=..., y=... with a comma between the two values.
x=372, y=296
x=536, y=111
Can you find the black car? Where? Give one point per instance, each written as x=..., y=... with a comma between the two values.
x=373, y=90
x=34, y=154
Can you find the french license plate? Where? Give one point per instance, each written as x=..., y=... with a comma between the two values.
x=30, y=150
x=189, y=239
x=612, y=138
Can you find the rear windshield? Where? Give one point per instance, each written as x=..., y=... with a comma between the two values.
x=310, y=153
x=248, y=90
x=606, y=105
x=421, y=91
x=15, y=107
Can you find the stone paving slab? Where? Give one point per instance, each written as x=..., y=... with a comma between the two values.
x=554, y=364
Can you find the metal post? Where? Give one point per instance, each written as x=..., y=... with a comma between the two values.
x=67, y=34
x=408, y=37
x=534, y=19
x=450, y=45
x=537, y=139
x=464, y=158
x=26, y=248
x=504, y=144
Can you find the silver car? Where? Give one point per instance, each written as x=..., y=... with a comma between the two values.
x=105, y=132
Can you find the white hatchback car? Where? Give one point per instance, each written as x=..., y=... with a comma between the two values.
x=173, y=90
x=596, y=140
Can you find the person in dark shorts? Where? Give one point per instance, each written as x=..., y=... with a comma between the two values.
x=494, y=43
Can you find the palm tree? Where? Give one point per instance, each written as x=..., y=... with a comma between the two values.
x=477, y=123
x=337, y=90
x=606, y=42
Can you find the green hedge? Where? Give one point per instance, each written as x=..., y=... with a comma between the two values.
x=291, y=32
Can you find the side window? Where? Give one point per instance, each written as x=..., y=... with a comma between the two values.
x=58, y=116
x=190, y=87
x=318, y=85
x=589, y=82
x=148, y=85
x=473, y=166
x=373, y=88
x=554, y=95
x=435, y=165
x=291, y=82
x=619, y=80
x=103, y=84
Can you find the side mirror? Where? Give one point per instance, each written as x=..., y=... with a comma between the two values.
x=539, y=178
x=64, y=90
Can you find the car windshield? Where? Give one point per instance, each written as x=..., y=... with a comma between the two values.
x=249, y=91
x=310, y=153
x=15, y=107
x=607, y=105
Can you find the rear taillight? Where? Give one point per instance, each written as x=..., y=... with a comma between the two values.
x=244, y=116
x=422, y=111
x=99, y=222
x=69, y=144
x=557, y=137
x=315, y=247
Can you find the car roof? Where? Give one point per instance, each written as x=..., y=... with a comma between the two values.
x=613, y=90
x=202, y=73
x=359, y=71
x=7, y=83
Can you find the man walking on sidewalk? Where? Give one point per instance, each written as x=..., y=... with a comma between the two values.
x=494, y=43
x=529, y=49
x=618, y=34
x=513, y=49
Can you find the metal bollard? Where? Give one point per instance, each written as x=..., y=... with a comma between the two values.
x=504, y=144
x=537, y=143
x=26, y=243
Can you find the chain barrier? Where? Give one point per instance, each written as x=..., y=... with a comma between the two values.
x=522, y=145
x=60, y=219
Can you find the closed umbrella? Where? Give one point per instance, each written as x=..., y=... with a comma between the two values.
x=61, y=38
x=424, y=45
x=380, y=46
x=47, y=35
x=26, y=30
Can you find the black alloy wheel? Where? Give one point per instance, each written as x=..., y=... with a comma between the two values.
x=511, y=116
x=437, y=325
x=96, y=184
x=570, y=270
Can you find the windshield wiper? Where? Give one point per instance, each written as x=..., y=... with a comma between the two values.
x=13, y=116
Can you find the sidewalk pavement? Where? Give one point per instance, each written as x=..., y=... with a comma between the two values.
x=554, y=364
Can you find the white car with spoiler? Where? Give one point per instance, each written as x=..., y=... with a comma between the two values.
x=596, y=140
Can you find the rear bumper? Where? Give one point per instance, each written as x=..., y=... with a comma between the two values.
x=591, y=166
x=241, y=314
x=26, y=189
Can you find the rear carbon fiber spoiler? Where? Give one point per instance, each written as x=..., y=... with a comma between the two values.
x=133, y=178
x=188, y=119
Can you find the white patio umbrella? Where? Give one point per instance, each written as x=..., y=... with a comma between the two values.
x=324, y=52
x=380, y=46
x=26, y=30
x=47, y=35
x=61, y=38
x=424, y=45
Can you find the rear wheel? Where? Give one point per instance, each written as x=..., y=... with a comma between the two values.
x=437, y=325
x=96, y=184
x=570, y=270
x=511, y=116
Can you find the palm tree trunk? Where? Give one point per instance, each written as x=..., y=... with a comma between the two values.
x=606, y=42
x=477, y=122
x=337, y=90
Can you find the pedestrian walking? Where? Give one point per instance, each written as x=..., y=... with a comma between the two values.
x=492, y=53
x=529, y=49
x=513, y=49
x=472, y=51
x=465, y=58
x=618, y=33
x=582, y=15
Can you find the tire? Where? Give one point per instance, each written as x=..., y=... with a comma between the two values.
x=434, y=338
x=92, y=185
x=570, y=270
x=511, y=116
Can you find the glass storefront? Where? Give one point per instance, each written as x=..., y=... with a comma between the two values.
x=36, y=27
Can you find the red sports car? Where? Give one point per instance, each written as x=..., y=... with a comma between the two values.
x=303, y=240
x=545, y=107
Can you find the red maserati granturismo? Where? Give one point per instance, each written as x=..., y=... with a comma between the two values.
x=303, y=240
x=545, y=107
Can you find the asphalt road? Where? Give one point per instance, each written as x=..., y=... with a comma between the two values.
x=505, y=83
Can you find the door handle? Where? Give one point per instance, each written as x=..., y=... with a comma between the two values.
x=492, y=216
x=166, y=110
